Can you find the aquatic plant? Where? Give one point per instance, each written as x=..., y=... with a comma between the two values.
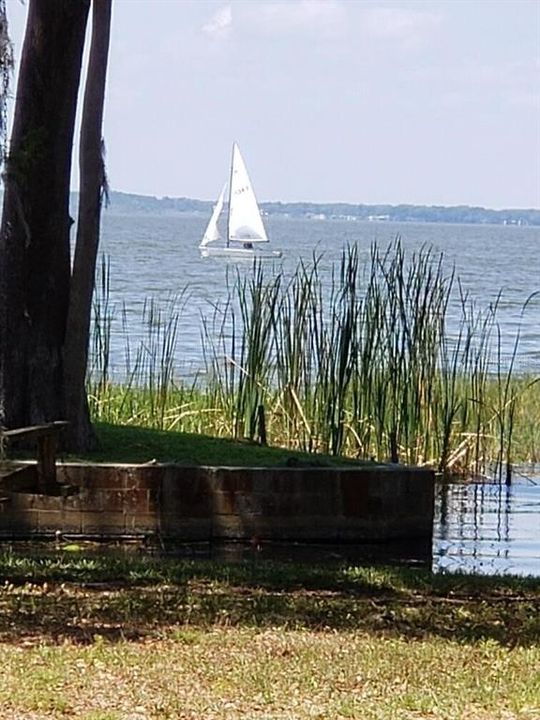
x=362, y=359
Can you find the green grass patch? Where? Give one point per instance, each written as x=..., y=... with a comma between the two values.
x=277, y=674
x=124, y=595
x=106, y=637
x=127, y=443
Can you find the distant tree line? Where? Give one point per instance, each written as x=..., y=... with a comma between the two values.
x=408, y=213
x=129, y=203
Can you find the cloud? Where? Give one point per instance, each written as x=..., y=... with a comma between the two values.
x=220, y=24
x=299, y=15
x=409, y=28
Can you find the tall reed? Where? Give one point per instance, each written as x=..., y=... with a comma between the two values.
x=507, y=397
x=146, y=391
x=240, y=362
x=359, y=359
x=100, y=340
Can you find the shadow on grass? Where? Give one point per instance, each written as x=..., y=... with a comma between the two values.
x=131, y=444
x=59, y=596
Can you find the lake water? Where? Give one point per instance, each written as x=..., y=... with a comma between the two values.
x=488, y=528
x=158, y=256
x=478, y=527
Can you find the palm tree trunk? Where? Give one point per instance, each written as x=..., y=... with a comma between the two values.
x=34, y=236
x=92, y=185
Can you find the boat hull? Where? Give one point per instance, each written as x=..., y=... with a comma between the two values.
x=239, y=252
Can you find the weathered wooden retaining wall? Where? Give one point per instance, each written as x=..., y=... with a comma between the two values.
x=372, y=503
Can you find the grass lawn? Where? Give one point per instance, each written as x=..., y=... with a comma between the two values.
x=127, y=443
x=84, y=635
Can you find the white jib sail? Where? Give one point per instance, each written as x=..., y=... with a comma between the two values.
x=245, y=222
x=211, y=233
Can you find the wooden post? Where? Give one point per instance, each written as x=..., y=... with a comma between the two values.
x=46, y=437
x=262, y=424
x=46, y=462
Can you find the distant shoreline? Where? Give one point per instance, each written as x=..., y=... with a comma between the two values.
x=128, y=203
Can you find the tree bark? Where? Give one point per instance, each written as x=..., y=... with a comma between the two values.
x=6, y=67
x=92, y=182
x=34, y=236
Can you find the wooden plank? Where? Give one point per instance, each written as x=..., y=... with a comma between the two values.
x=35, y=431
x=46, y=437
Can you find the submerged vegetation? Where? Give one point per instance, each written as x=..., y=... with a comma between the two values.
x=364, y=360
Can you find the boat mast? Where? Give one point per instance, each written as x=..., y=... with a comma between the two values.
x=230, y=197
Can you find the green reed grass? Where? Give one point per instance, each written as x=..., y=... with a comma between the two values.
x=359, y=360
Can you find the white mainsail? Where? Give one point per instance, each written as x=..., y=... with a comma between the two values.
x=245, y=227
x=212, y=233
x=245, y=222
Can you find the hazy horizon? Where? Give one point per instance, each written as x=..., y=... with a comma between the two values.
x=318, y=202
x=433, y=103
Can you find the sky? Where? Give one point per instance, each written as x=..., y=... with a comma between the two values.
x=362, y=101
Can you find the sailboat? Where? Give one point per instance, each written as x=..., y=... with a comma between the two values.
x=245, y=234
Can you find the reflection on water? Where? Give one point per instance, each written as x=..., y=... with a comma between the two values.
x=488, y=528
